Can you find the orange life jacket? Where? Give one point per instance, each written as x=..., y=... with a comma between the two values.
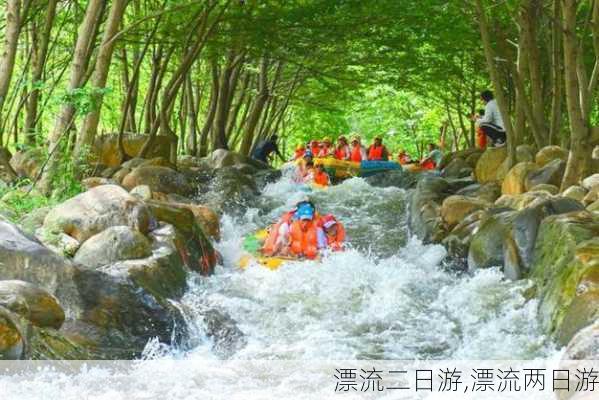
x=375, y=153
x=356, y=153
x=428, y=164
x=300, y=153
x=335, y=243
x=324, y=151
x=304, y=242
x=341, y=153
x=268, y=248
x=321, y=178
x=315, y=149
x=481, y=138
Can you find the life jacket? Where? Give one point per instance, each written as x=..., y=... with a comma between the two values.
x=315, y=149
x=341, y=153
x=321, y=178
x=299, y=153
x=481, y=138
x=304, y=242
x=268, y=248
x=375, y=153
x=428, y=164
x=356, y=153
x=324, y=151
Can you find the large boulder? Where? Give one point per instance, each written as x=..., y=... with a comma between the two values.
x=520, y=201
x=455, y=208
x=425, y=206
x=159, y=179
x=114, y=244
x=12, y=336
x=551, y=174
x=105, y=149
x=515, y=180
x=28, y=163
x=7, y=173
x=207, y=218
x=488, y=192
x=550, y=153
x=113, y=311
x=394, y=178
x=457, y=168
x=102, y=207
x=489, y=163
x=31, y=302
x=575, y=192
x=591, y=182
x=221, y=158
x=566, y=261
x=229, y=191
x=545, y=187
x=525, y=153
x=190, y=240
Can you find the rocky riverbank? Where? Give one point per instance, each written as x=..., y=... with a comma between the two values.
x=489, y=216
x=102, y=273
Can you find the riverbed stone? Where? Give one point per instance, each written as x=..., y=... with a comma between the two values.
x=159, y=179
x=114, y=244
x=142, y=192
x=550, y=153
x=455, y=208
x=106, y=150
x=89, y=183
x=457, y=168
x=591, y=182
x=12, y=337
x=544, y=187
x=31, y=302
x=520, y=201
x=591, y=197
x=525, y=153
x=551, y=173
x=489, y=163
x=515, y=180
x=425, y=205
x=91, y=212
x=27, y=164
x=594, y=207
x=575, y=192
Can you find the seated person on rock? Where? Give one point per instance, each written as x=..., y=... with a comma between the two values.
x=334, y=232
x=433, y=159
x=377, y=151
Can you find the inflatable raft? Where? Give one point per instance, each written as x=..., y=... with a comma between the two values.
x=252, y=245
x=347, y=169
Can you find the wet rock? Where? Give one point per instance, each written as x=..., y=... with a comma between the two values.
x=590, y=197
x=591, y=182
x=575, y=192
x=90, y=183
x=489, y=163
x=102, y=207
x=525, y=153
x=552, y=174
x=594, y=207
x=224, y=158
x=565, y=271
x=35, y=304
x=223, y=330
x=457, y=168
x=584, y=345
x=543, y=187
x=265, y=176
x=455, y=208
x=472, y=153
x=458, y=241
x=206, y=218
x=516, y=178
x=550, y=153
x=488, y=192
x=486, y=246
x=114, y=244
x=106, y=150
x=12, y=338
x=142, y=192
x=191, y=242
x=520, y=201
x=159, y=179
x=425, y=205
x=395, y=178
x=230, y=191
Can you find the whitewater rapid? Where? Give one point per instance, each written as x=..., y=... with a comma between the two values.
x=388, y=297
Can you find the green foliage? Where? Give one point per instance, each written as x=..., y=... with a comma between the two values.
x=85, y=99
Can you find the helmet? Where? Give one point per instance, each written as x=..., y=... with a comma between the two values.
x=327, y=139
x=378, y=137
x=304, y=211
x=308, y=154
x=328, y=221
x=356, y=137
x=300, y=147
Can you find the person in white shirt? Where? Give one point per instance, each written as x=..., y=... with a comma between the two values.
x=491, y=123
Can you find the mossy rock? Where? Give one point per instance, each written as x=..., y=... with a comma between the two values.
x=565, y=257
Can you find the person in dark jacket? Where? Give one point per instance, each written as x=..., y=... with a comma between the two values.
x=265, y=148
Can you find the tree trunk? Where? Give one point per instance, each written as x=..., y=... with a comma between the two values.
x=211, y=111
x=11, y=40
x=580, y=154
x=64, y=120
x=556, y=75
x=90, y=124
x=257, y=109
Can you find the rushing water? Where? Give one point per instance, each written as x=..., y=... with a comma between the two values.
x=389, y=297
